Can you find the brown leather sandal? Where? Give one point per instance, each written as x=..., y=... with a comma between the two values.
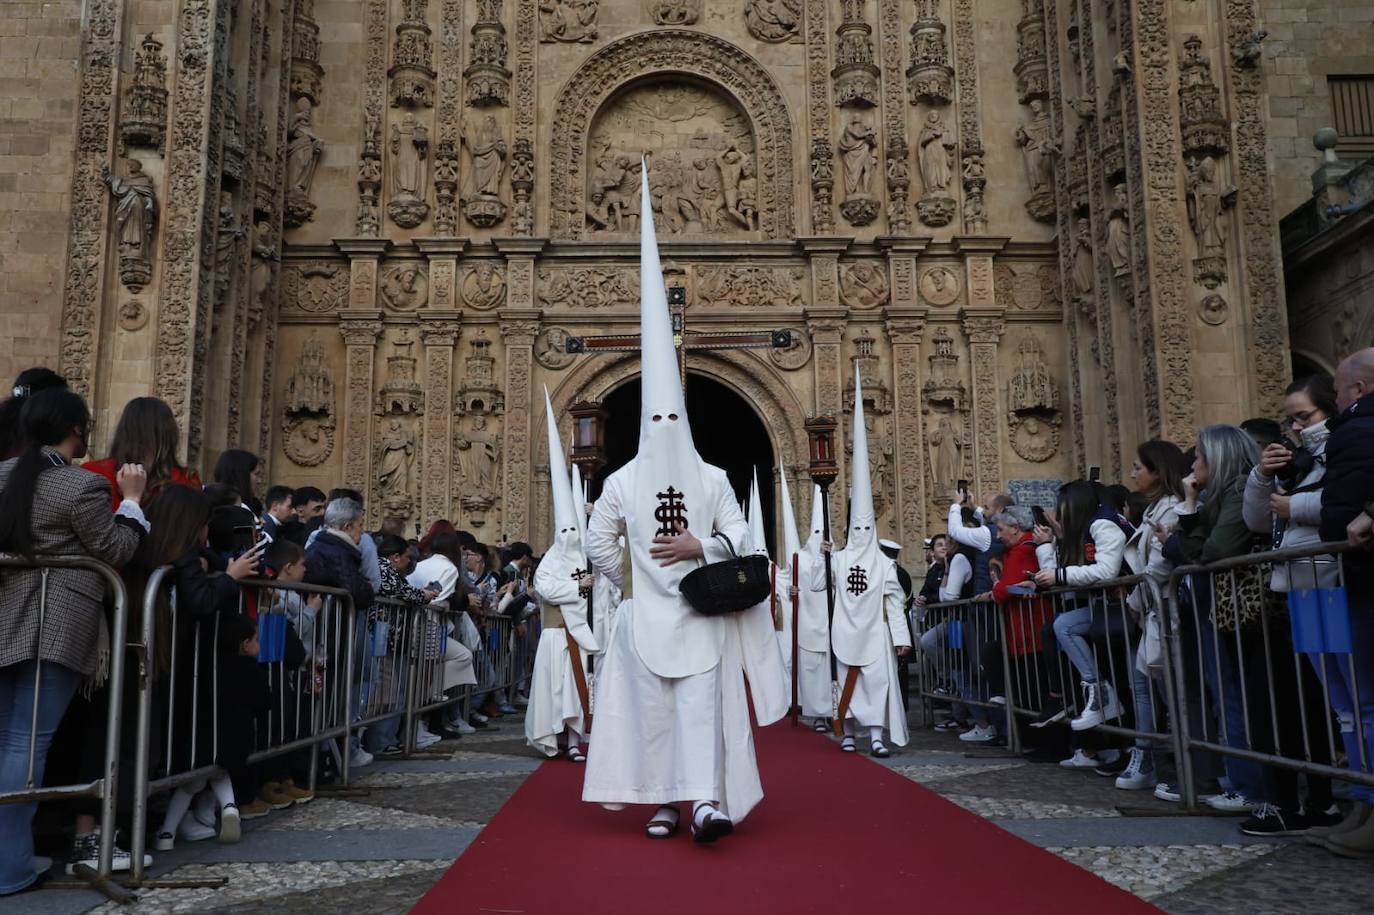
x=715, y=825
x=669, y=823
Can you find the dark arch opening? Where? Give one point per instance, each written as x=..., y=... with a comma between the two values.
x=727, y=431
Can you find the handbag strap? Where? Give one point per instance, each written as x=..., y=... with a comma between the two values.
x=728, y=545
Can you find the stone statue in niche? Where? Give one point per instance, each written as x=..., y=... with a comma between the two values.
x=264, y=255
x=1119, y=233
x=226, y=245
x=1207, y=203
x=135, y=220
x=675, y=12
x=484, y=287
x=773, y=20
x=1038, y=149
x=303, y=152
x=395, y=464
x=409, y=173
x=935, y=153
x=478, y=457
x=487, y=151
x=946, y=445
x=857, y=150
x=1082, y=274
x=567, y=20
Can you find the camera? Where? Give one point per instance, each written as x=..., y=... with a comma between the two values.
x=1291, y=475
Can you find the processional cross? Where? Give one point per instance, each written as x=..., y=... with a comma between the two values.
x=682, y=340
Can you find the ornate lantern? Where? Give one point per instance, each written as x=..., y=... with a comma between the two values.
x=820, y=434
x=589, y=437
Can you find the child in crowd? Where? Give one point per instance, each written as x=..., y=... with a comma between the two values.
x=284, y=777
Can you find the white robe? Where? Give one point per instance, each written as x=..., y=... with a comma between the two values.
x=865, y=636
x=555, y=704
x=662, y=739
x=813, y=643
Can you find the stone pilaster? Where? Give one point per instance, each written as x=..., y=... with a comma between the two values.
x=905, y=326
x=439, y=332
x=360, y=323
x=825, y=320
x=984, y=330
x=518, y=329
x=978, y=252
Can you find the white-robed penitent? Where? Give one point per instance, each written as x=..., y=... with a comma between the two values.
x=561, y=582
x=869, y=618
x=813, y=622
x=672, y=712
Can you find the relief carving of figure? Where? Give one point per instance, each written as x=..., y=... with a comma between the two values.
x=567, y=20
x=488, y=149
x=1207, y=200
x=303, y=150
x=409, y=172
x=484, y=287
x=706, y=187
x=478, y=456
x=733, y=165
x=1119, y=233
x=226, y=244
x=1038, y=149
x=857, y=152
x=773, y=20
x=937, y=154
x=747, y=204
x=863, y=285
x=946, y=446
x=675, y=12
x=135, y=219
x=1082, y=273
x=394, y=467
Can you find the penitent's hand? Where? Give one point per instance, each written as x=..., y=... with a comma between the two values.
x=672, y=548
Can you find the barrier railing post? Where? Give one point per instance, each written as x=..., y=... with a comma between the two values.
x=138, y=829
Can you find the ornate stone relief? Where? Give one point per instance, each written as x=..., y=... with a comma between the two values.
x=477, y=456
x=412, y=74
x=796, y=354
x=939, y=286
x=395, y=463
x=369, y=220
x=317, y=288
x=773, y=20
x=550, y=348
x=930, y=78
x=132, y=315
x=231, y=148
x=1035, y=136
x=1208, y=206
x=945, y=405
x=1119, y=232
x=303, y=151
x=1032, y=287
x=308, y=417
x=480, y=393
x=228, y=234
x=1076, y=167
x=484, y=287
x=400, y=394
x=703, y=175
x=764, y=116
x=486, y=156
x=857, y=151
x=1113, y=138
x=1033, y=404
x=143, y=117
x=676, y=12
x=488, y=80
x=935, y=152
x=306, y=72
x=135, y=219
x=749, y=287
x=263, y=267
x=877, y=394
x=855, y=73
x=409, y=173
x=404, y=287
x=448, y=102
x=1206, y=131
x=1213, y=309
x=863, y=285
x=567, y=20
x=970, y=135
x=975, y=182
x=589, y=287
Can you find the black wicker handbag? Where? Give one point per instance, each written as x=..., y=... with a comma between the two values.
x=728, y=586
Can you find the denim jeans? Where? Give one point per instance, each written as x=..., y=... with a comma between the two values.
x=1219, y=666
x=1142, y=690
x=1341, y=688
x=1070, y=631
x=55, y=690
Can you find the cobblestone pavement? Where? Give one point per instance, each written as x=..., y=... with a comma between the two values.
x=379, y=845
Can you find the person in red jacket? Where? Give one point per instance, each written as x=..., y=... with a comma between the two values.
x=1014, y=591
x=146, y=434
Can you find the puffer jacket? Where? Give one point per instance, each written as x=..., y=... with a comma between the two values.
x=1304, y=518
x=334, y=561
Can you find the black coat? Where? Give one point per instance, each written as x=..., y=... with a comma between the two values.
x=1349, y=485
x=244, y=696
x=336, y=563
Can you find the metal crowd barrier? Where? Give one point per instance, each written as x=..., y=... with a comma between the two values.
x=104, y=788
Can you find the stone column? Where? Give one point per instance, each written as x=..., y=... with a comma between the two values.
x=905, y=327
x=984, y=329
x=361, y=324
x=439, y=333
x=519, y=325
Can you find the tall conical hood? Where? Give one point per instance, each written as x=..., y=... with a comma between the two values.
x=661, y=386
x=579, y=495
x=790, y=543
x=816, y=531
x=861, y=514
x=758, y=537
x=564, y=509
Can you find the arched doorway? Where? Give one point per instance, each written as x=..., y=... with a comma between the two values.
x=727, y=430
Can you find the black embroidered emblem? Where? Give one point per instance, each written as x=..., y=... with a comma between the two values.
x=584, y=587
x=670, y=512
x=858, y=580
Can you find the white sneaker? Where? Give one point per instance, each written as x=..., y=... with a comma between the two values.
x=166, y=841
x=979, y=734
x=1139, y=772
x=86, y=850
x=230, y=826
x=462, y=727
x=193, y=830
x=359, y=758
x=998, y=700
x=1230, y=802
x=425, y=738
x=1080, y=760
x=1166, y=791
x=1100, y=704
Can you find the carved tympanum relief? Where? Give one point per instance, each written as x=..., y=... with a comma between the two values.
x=703, y=174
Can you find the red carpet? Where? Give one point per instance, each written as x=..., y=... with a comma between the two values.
x=835, y=834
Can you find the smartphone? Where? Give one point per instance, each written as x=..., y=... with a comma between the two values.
x=434, y=586
x=1094, y=474
x=1038, y=514
x=963, y=485
x=245, y=538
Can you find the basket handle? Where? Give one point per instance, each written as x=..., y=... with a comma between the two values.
x=728, y=545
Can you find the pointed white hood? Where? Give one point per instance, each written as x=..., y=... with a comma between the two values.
x=791, y=544
x=567, y=533
x=579, y=495
x=861, y=515
x=758, y=535
x=663, y=408
x=816, y=532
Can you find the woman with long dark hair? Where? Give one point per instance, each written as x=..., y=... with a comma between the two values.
x=52, y=629
x=240, y=470
x=29, y=383
x=146, y=434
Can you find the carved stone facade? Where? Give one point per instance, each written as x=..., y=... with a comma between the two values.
x=358, y=237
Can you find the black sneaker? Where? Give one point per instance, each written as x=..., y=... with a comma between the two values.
x=394, y=750
x=1115, y=767
x=1269, y=820
x=1053, y=713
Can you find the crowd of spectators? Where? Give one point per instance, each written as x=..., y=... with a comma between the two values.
x=137, y=510
x=1083, y=651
